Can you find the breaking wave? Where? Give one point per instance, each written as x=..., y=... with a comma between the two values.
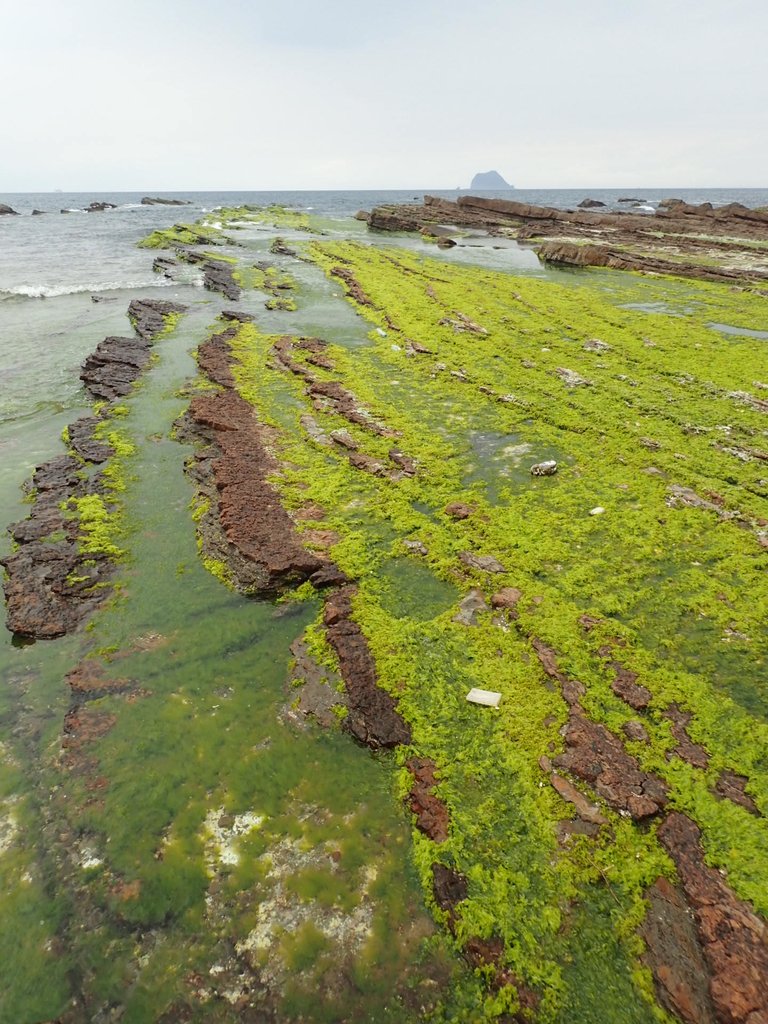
x=51, y=291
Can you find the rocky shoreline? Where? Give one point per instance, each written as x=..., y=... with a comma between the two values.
x=58, y=575
x=727, y=244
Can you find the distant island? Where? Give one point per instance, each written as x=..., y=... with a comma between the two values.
x=489, y=180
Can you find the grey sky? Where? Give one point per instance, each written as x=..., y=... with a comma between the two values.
x=165, y=94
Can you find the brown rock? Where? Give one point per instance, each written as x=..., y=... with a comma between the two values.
x=373, y=718
x=734, y=938
x=507, y=598
x=458, y=510
x=597, y=756
x=635, y=730
x=431, y=813
x=675, y=956
x=625, y=686
x=586, y=810
x=449, y=887
x=733, y=787
x=250, y=514
x=686, y=749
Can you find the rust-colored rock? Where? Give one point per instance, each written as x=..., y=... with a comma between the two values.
x=251, y=516
x=625, y=685
x=213, y=358
x=431, y=813
x=733, y=937
x=732, y=787
x=675, y=956
x=597, y=756
x=459, y=510
x=373, y=718
x=689, y=751
x=572, y=689
x=507, y=598
x=584, y=808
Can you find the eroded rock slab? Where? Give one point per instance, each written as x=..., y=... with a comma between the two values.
x=109, y=372
x=373, y=718
x=150, y=316
x=431, y=813
x=253, y=520
x=598, y=757
x=733, y=937
x=675, y=956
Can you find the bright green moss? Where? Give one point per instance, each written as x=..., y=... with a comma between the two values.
x=669, y=584
x=99, y=527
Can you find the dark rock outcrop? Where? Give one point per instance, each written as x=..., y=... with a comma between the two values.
x=733, y=937
x=4, y=209
x=373, y=718
x=590, y=204
x=149, y=317
x=157, y=201
x=218, y=275
x=675, y=956
x=117, y=362
x=710, y=236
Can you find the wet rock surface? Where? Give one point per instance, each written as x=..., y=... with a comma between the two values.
x=373, y=718
x=589, y=236
x=431, y=813
x=597, y=756
x=150, y=316
x=252, y=519
x=116, y=363
x=51, y=586
x=218, y=275
x=675, y=956
x=733, y=937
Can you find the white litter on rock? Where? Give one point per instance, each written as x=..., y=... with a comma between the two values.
x=597, y=511
x=381, y=333
x=488, y=698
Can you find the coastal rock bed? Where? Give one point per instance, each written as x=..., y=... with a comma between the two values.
x=481, y=349
x=595, y=847
x=726, y=243
x=67, y=547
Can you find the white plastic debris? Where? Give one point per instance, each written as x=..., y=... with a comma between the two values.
x=381, y=333
x=488, y=698
x=597, y=511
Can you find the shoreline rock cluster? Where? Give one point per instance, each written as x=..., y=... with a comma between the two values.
x=51, y=584
x=703, y=241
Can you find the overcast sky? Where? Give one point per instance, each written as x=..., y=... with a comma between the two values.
x=102, y=95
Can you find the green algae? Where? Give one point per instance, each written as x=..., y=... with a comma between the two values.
x=670, y=383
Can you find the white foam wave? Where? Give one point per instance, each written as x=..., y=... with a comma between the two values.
x=51, y=291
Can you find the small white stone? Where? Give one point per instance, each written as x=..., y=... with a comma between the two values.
x=488, y=698
x=597, y=511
